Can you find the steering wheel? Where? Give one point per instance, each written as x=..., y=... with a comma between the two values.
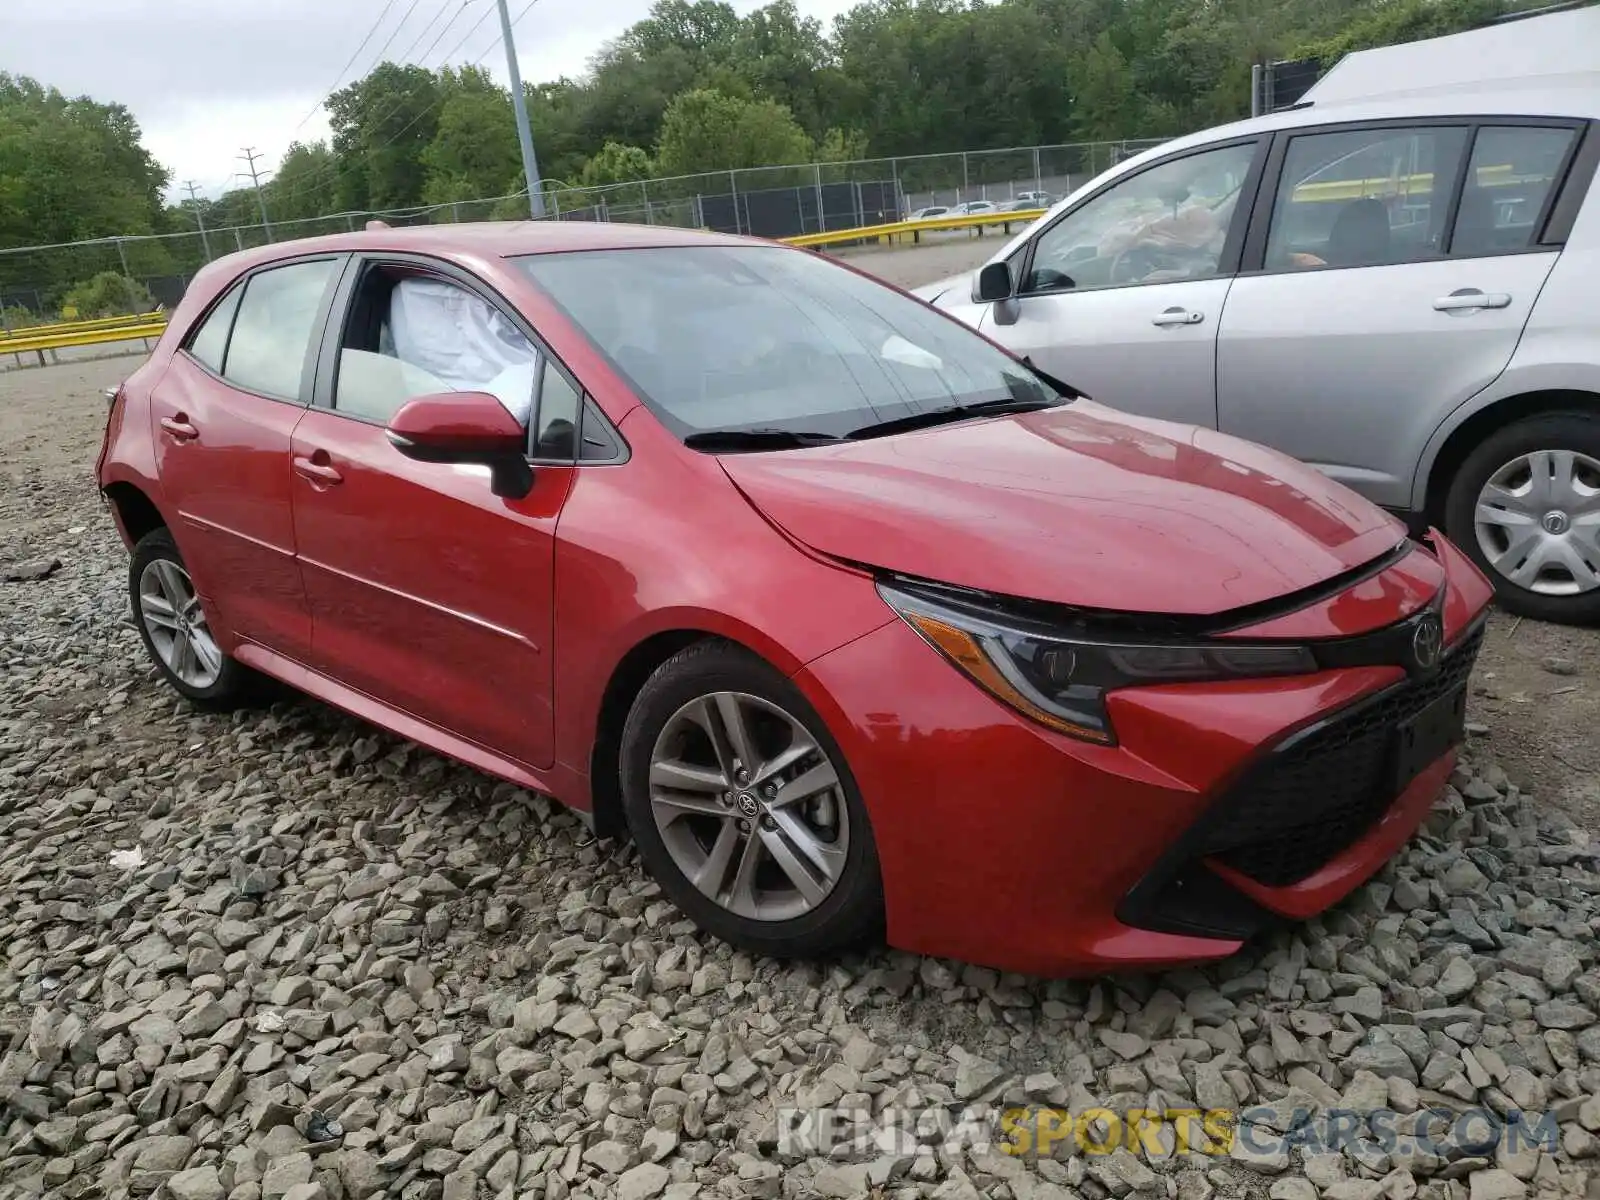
x=1134, y=263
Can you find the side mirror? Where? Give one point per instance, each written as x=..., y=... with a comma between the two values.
x=994, y=282
x=466, y=427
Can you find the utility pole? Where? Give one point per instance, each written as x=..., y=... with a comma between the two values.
x=250, y=155
x=519, y=103
x=194, y=199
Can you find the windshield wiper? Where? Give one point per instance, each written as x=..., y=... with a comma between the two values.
x=944, y=416
x=756, y=439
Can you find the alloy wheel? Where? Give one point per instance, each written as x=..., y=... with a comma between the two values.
x=172, y=616
x=749, y=806
x=1538, y=522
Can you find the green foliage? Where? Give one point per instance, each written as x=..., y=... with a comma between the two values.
x=616, y=163
x=108, y=294
x=704, y=130
x=1400, y=21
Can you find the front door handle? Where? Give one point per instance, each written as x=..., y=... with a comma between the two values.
x=1465, y=298
x=1177, y=316
x=179, y=429
x=317, y=472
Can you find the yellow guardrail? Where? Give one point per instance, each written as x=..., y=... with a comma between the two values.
x=40, y=339
x=29, y=331
x=978, y=221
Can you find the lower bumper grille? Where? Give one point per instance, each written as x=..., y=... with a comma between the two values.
x=1305, y=802
x=1316, y=794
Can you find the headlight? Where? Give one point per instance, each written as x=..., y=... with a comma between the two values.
x=1060, y=679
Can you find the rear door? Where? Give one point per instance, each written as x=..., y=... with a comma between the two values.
x=1388, y=274
x=427, y=591
x=224, y=413
x=1121, y=295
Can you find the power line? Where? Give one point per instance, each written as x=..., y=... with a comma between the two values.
x=413, y=8
x=337, y=79
x=389, y=141
x=405, y=55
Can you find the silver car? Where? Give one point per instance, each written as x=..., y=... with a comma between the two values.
x=1401, y=289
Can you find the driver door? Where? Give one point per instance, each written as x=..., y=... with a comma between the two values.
x=1122, y=296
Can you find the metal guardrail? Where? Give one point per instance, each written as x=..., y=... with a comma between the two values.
x=977, y=221
x=39, y=340
x=42, y=339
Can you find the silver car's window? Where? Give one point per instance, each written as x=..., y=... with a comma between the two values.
x=1509, y=179
x=741, y=338
x=267, y=352
x=1364, y=197
x=1167, y=223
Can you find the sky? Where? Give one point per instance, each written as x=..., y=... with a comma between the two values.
x=206, y=78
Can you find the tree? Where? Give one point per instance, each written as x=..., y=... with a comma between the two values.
x=306, y=183
x=381, y=126
x=705, y=130
x=616, y=163
x=474, y=152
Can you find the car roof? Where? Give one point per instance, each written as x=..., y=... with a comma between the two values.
x=491, y=239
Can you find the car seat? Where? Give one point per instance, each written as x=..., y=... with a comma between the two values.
x=1360, y=235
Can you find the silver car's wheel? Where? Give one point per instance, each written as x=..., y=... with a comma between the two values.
x=177, y=627
x=749, y=806
x=1538, y=522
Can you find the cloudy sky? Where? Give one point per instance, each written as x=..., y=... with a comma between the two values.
x=207, y=77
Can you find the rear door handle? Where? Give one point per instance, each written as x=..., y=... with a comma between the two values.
x=179, y=428
x=317, y=472
x=1177, y=316
x=1464, y=298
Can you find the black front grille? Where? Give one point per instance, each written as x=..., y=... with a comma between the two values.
x=1318, y=792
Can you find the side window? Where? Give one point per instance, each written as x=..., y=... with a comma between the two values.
x=1509, y=179
x=1169, y=222
x=559, y=402
x=209, y=342
x=267, y=352
x=410, y=335
x=1364, y=198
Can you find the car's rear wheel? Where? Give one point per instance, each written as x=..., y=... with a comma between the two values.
x=1526, y=506
x=743, y=808
x=172, y=623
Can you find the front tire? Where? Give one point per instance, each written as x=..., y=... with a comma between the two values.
x=174, y=629
x=744, y=810
x=1525, y=505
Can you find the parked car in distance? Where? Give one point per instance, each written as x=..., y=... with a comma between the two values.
x=927, y=214
x=1397, y=289
x=1033, y=199
x=851, y=622
x=973, y=207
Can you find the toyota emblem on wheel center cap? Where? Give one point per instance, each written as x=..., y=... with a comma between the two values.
x=748, y=805
x=1427, y=640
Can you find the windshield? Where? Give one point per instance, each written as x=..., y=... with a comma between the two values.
x=743, y=338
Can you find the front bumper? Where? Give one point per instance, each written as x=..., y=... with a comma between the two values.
x=1003, y=843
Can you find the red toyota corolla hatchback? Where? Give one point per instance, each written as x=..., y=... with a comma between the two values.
x=852, y=622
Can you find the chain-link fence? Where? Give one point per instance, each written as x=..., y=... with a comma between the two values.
x=42, y=282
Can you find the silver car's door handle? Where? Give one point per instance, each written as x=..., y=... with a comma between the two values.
x=1178, y=316
x=1471, y=298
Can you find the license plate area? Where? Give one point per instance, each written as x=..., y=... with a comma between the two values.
x=1420, y=740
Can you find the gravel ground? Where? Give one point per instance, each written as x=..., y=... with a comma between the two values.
x=279, y=955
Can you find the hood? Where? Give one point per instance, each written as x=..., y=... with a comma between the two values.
x=960, y=284
x=1078, y=505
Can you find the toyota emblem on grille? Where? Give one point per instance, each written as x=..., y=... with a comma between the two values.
x=1427, y=640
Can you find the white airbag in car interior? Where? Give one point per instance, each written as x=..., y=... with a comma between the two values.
x=463, y=341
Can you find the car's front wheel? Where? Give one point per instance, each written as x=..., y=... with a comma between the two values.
x=174, y=629
x=743, y=808
x=1526, y=506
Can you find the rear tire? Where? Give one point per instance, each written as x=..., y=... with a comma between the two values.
x=175, y=632
x=781, y=845
x=1525, y=505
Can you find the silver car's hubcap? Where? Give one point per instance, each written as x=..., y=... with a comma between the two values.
x=1538, y=522
x=171, y=614
x=749, y=806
